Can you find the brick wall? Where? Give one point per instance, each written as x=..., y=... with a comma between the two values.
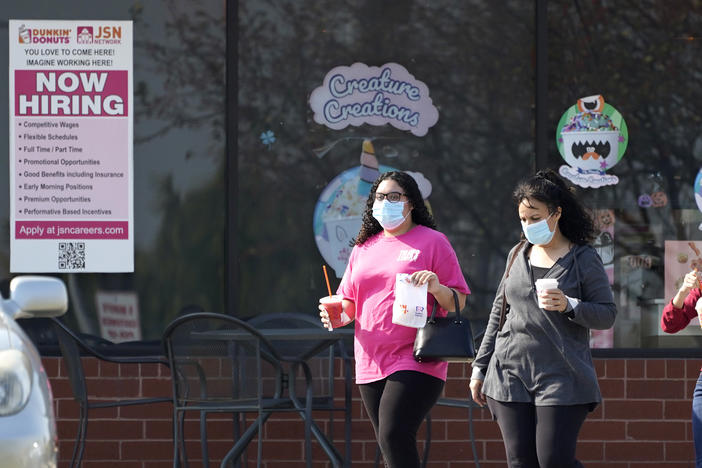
x=644, y=421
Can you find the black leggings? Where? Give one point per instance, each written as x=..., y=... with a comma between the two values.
x=396, y=406
x=539, y=436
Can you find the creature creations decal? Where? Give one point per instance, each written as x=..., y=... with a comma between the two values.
x=591, y=137
x=339, y=209
x=360, y=94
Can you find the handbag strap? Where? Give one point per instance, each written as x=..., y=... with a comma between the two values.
x=455, y=303
x=503, y=309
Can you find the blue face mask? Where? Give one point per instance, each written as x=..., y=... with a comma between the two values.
x=538, y=233
x=388, y=214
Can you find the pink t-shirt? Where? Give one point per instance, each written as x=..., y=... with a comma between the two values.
x=380, y=346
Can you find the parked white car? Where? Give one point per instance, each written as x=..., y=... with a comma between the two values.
x=27, y=425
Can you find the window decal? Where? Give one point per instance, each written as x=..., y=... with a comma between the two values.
x=591, y=137
x=339, y=209
x=360, y=94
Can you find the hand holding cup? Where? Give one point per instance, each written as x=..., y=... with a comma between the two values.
x=324, y=317
x=331, y=311
x=550, y=297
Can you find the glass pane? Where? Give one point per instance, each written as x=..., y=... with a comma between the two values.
x=179, y=194
x=476, y=60
x=642, y=59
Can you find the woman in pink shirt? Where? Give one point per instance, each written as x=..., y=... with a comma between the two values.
x=676, y=315
x=398, y=235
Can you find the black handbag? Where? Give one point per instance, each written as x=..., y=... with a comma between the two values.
x=445, y=338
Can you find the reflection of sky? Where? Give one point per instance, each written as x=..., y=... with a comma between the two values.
x=152, y=160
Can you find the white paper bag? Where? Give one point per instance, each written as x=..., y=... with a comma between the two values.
x=410, y=306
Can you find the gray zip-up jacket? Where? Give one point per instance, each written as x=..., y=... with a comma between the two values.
x=543, y=357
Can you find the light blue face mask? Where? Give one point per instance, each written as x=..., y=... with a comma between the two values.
x=388, y=214
x=538, y=233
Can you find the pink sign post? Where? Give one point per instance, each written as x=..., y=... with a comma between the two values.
x=71, y=126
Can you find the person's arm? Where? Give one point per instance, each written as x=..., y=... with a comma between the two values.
x=443, y=273
x=681, y=309
x=349, y=308
x=487, y=347
x=346, y=290
x=596, y=309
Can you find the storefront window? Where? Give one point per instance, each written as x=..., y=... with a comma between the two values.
x=302, y=183
x=644, y=61
x=179, y=177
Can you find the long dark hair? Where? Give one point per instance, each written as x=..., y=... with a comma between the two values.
x=420, y=214
x=548, y=187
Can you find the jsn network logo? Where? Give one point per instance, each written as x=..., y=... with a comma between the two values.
x=43, y=35
x=99, y=35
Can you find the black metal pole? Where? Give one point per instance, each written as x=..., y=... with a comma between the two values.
x=231, y=285
x=541, y=130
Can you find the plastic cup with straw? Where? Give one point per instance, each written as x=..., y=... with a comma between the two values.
x=332, y=304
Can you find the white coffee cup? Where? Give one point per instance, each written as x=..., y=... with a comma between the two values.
x=544, y=284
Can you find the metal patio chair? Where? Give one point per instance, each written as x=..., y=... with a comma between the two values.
x=319, y=357
x=220, y=364
x=71, y=344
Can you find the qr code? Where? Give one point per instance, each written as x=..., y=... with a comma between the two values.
x=71, y=255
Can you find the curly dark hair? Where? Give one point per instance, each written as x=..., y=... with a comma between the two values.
x=420, y=213
x=546, y=186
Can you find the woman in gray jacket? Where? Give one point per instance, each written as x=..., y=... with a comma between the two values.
x=535, y=371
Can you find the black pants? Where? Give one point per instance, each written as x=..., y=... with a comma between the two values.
x=539, y=436
x=396, y=406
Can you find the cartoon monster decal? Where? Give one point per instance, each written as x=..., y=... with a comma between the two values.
x=591, y=138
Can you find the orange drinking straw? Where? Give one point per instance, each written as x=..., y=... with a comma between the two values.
x=326, y=277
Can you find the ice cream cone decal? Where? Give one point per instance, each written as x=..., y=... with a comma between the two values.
x=369, y=168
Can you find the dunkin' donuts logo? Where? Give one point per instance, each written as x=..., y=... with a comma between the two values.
x=99, y=35
x=27, y=35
